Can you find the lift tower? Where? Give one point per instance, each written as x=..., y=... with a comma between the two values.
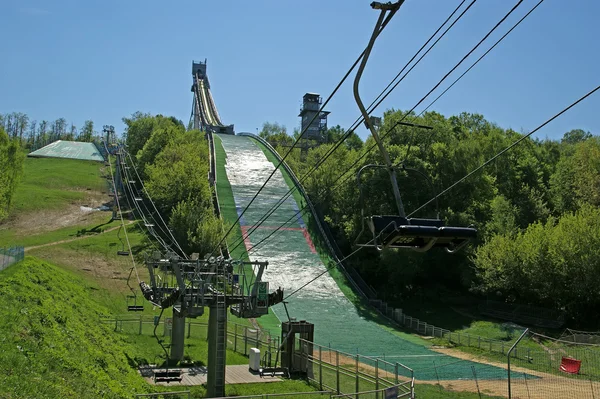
x=190, y=285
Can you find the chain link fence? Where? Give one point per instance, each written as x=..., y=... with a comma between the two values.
x=10, y=255
x=544, y=367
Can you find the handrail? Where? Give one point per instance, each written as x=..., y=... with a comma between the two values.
x=310, y=205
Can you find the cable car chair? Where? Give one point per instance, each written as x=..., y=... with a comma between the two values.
x=419, y=234
x=121, y=252
x=133, y=298
x=400, y=231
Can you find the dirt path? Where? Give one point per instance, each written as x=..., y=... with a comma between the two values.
x=75, y=238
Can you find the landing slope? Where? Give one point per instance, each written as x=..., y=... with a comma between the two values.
x=293, y=262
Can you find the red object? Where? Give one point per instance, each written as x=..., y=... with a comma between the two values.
x=570, y=365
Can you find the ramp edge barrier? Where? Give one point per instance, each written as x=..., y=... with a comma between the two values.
x=212, y=180
x=315, y=215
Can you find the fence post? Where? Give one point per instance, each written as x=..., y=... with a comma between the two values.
x=116, y=324
x=357, y=381
x=508, y=359
x=140, y=331
x=376, y=378
x=235, y=337
x=245, y=341
x=320, y=371
x=337, y=371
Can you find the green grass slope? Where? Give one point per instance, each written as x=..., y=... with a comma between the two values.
x=50, y=183
x=52, y=345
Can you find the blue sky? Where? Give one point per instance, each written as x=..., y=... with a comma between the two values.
x=103, y=60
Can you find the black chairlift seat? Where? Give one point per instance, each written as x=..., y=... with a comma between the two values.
x=135, y=307
x=123, y=253
x=390, y=231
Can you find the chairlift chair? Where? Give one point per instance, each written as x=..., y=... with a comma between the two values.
x=132, y=298
x=133, y=307
x=121, y=252
x=419, y=234
x=400, y=231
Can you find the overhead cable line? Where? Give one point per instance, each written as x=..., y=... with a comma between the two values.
x=399, y=122
x=383, y=25
x=147, y=194
x=471, y=173
x=324, y=271
x=471, y=67
x=483, y=165
x=139, y=209
x=374, y=104
x=112, y=176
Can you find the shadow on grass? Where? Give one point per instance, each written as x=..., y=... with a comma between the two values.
x=94, y=230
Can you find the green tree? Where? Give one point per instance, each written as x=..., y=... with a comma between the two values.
x=269, y=129
x=575, y=136
x=11, y=167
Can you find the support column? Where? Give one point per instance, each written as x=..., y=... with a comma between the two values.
x=217, y=332
x=177, y=337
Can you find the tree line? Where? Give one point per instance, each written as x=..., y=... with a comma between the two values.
x=11, y=168
x=174, y=165
x=33, y=134
x=536, y=209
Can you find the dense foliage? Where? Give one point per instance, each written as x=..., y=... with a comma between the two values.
x=11, y=167
x=522, y=204
x=174, y=165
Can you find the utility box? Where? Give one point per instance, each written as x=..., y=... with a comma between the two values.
x=254, y=359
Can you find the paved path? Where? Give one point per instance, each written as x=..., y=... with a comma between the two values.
x=237, y=374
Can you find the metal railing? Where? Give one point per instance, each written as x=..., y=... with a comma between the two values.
x=240, y=338
x=332, y=372
x=355, y=375
x=11, y=255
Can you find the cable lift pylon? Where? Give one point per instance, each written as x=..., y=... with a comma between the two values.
x=399, y=231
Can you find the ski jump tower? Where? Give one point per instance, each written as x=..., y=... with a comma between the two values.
x=204, y=111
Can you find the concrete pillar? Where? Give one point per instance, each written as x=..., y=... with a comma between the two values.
x=177, y=338
x=217, y=332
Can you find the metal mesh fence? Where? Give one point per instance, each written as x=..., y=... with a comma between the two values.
x=10, y=255
x=355, y=375
x=331, y=371
x=239, y=338
x=551, y=368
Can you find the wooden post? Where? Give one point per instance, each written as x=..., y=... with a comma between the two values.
x=376, y=378
x=337, y=371
x=357, y=380
x=245, y=341
x=320, y=371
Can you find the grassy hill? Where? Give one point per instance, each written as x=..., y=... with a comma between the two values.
x=54, y=346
